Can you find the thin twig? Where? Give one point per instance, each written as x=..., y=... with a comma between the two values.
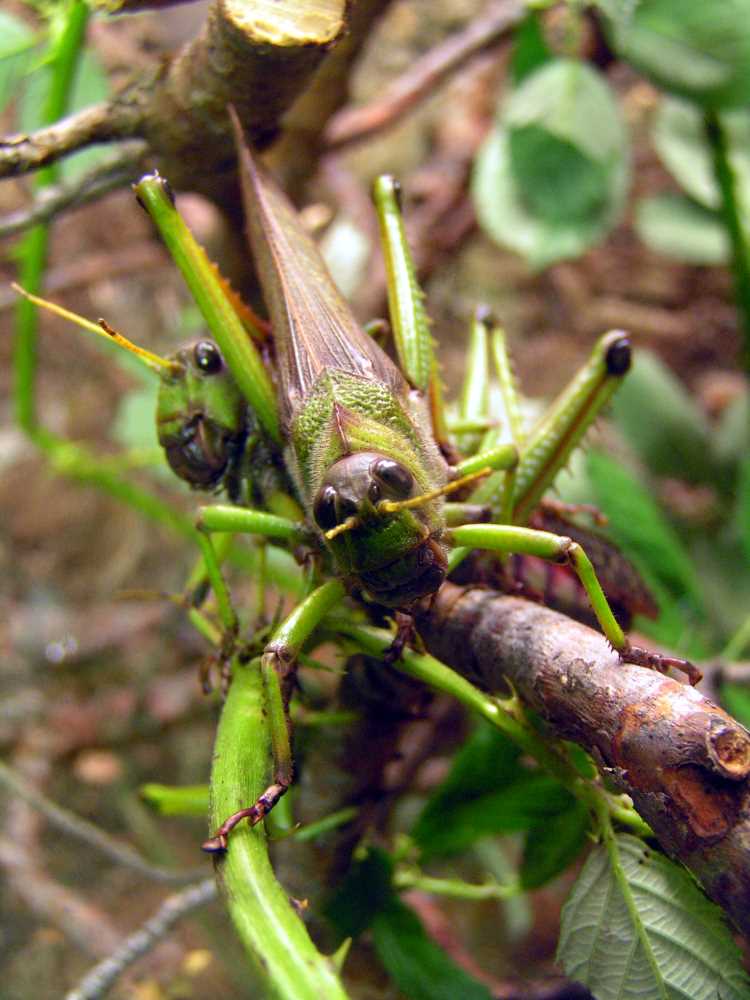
x=96, y=982
x=52, y=201
x=101, y=122
x=354, y=124
x=91, y=834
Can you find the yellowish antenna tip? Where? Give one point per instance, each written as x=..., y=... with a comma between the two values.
x=347, y=525
x=102, y=329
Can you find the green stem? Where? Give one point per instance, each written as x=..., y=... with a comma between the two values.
x=454, y=888
x=508, y=716
x=732, y=216
x=35, y=243
x=738, y=642
x=273, y=935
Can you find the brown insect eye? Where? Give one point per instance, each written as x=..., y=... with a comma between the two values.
x=396, y=479
x=324, y=509
x=208, y=357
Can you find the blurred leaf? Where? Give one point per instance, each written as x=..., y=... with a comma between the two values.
x=134, y=425
x=17, y=52
x=679, y=138
x=732, y=436
x=176, y=800
x=551, y=178
x=525, y=803
x=637, y=525
x=485, y=763
x=530, y=50
x=416, y=964
x=365, y=890
x=637, y=925
x=736, y=700
x=551, y=846
x=662, y=422
x=90, y=86
x=743, y=505
x=580, y=191
x=346, y=251
x=698, y=50
x=678, y=227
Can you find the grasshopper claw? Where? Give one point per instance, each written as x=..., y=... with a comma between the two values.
x=660, y=662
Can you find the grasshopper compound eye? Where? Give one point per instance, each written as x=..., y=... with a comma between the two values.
x=207, y=357
x=324, y=509
x=392, y=478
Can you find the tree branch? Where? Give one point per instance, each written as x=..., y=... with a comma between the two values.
x=98, y=981
x=258, y=58
x=57, y=198
x=355, y=124
x=683, y=760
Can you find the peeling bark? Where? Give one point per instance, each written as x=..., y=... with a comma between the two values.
x=682, y=759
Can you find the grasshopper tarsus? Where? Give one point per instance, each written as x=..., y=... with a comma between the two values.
x=253, y=814
x=405, y=633
x=661, y=662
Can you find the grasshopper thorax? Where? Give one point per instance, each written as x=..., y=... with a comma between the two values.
x=201, y=417
x=394, y=555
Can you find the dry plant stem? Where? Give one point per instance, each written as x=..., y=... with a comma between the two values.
x=89, y=833
x=26, y=875
x=57, y=198
x=682, y=759
x=98, y=981
x=258, y=57
x=355, y=124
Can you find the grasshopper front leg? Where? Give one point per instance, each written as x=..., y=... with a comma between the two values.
x=278, y=665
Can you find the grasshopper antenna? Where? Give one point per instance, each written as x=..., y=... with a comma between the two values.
x=392, y=506
x=153, y=361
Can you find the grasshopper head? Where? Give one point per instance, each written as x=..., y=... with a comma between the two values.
x=201, y=416
x=396, y=556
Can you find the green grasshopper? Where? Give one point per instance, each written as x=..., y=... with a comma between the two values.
x=366, y=443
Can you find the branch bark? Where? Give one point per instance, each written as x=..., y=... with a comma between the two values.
x=682, y=759
x=258, y=57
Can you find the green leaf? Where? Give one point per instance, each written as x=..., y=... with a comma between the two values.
x=485, y=763
x=554, y=844
x=678, y=227
x=550, y=180
x=530, y=50
x=637, y=926
x=662, y=423
x=364, y=892
x=17, y=44
x=90, y=86
x=637, y=525
x=417, y=965
x=679, y=139
x=698, y=50
x=525, y=803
